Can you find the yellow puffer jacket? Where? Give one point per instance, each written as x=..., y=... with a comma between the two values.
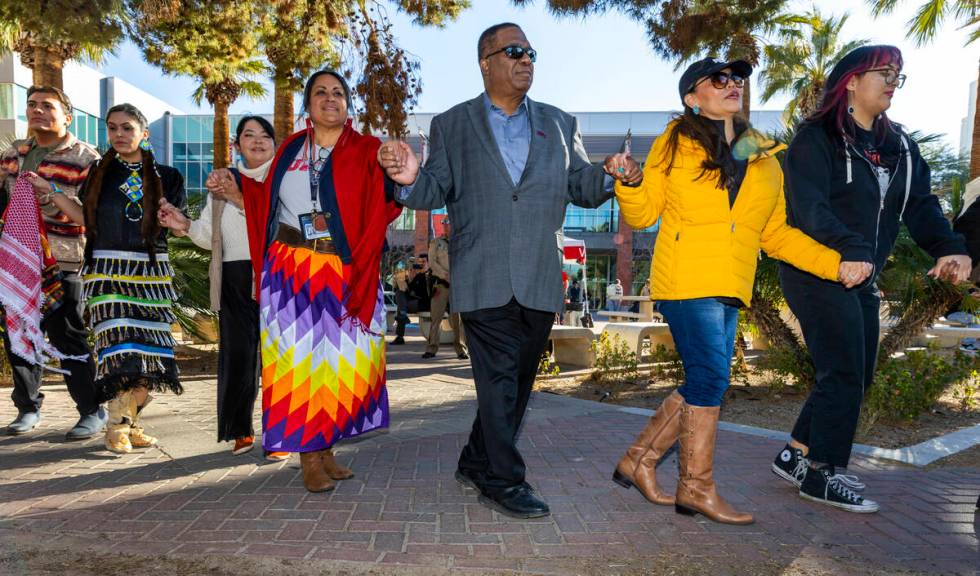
x=704, y=248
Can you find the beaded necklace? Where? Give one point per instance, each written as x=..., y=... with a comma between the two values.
x=132, y=189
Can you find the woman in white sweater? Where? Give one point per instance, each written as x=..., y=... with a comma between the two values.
x=231, y=284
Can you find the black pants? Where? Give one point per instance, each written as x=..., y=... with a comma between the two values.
x=840, y=327
x=406, y=304
x=66, y=331
x=506, y=344
x=237, y=352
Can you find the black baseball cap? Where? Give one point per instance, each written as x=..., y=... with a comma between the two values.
x=707, y=67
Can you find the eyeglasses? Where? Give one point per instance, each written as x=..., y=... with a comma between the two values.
x=720, y=80
x=891, y=76
x=515, y=52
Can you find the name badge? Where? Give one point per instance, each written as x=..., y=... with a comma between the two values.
x=314, y=225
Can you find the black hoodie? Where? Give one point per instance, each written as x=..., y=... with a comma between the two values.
x=833, y=195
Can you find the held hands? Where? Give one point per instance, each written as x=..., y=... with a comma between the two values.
x=399, y=162
x=170, y=217
x=622, y=167
x=852, y=274
x=955, y=268
x=222, y=185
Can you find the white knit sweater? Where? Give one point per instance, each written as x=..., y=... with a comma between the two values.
x=234, y=235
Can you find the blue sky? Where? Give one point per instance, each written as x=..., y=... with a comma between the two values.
x=604, y=63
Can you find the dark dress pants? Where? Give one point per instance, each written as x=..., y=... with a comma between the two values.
x=238, y=351
x=66, y=330
x=506, y=345
x=840, y=327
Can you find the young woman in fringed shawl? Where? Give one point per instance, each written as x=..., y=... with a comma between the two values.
x=127, y=277
x=316, y=233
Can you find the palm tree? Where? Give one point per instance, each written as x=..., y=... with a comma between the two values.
x=298, y=38
x=923, y=28
x=799, y=61
x=212, y=41
x=48, y=34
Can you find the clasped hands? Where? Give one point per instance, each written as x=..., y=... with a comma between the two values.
x=622, y=167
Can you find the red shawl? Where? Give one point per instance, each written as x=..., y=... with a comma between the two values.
x=364, y=211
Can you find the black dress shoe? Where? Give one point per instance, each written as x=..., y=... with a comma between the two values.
x=428, y=355
x=463, y=356
x=468, y=478
x=516, y=502
x=398, y=341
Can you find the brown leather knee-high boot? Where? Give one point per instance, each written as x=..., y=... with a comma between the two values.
x=315, y=479
x=696, y=487
x=638, y=467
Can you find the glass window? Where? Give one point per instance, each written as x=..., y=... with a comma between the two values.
x=20, y=102
x=194, y=129
x=7, y=109
x=193, y=175
x=180, y=153
x=179, y=128
x=207, y=152
x=405, y=221
x=194, y=151
x=207, y=129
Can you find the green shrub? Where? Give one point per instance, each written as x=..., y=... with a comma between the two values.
x=548, y=367
x=907, y=386
x=667, y=364
x=613, y=360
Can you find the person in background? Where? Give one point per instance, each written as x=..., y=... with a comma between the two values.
x=575, y=304
x=231, y=284
x=614, y=293
x=439, y=305
x=56, y=164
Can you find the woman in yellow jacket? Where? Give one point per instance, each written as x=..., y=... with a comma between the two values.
x=716, y=208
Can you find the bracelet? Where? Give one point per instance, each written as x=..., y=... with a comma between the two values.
x=55, y=189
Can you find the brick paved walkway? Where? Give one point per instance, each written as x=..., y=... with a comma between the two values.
x=190, y=496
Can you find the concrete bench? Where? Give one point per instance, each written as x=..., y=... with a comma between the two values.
x=947, y=336
x=633, y=333
x=615, y=315
x=572, y=345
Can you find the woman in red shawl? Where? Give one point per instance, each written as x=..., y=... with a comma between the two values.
x=316, y=230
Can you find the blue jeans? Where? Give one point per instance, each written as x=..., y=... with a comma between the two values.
x=704, y=335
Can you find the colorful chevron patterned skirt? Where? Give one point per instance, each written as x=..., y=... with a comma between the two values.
x=128, y=303
x=323, y=379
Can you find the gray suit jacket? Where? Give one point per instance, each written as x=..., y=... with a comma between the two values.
x=506, y=239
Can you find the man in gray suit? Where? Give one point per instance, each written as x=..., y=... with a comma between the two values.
x=505, y=167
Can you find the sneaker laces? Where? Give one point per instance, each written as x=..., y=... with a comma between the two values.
x=851, y=481
x=801, y=466
x=837, y=484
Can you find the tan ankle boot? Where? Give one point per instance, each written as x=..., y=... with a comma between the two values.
x=332, y=468
x=695, y=487
x=119, y=425
x=137, y=436
x=638, y=467
x=314, y=477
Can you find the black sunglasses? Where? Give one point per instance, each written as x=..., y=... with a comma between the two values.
x=720, y=80
x=515, y=52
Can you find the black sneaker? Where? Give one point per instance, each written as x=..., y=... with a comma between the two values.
x=826, y=487
x=398, y=341
x=790, y=465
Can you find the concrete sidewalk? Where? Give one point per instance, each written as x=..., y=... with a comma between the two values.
x=189, y=497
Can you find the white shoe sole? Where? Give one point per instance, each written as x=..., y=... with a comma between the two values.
x=785, y=476
x=862, y=509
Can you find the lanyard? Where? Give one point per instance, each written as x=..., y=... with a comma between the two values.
x=315, y=169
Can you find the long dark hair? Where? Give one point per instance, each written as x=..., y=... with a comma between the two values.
x=833, y=113
x=152, y=189
x=704, y=132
